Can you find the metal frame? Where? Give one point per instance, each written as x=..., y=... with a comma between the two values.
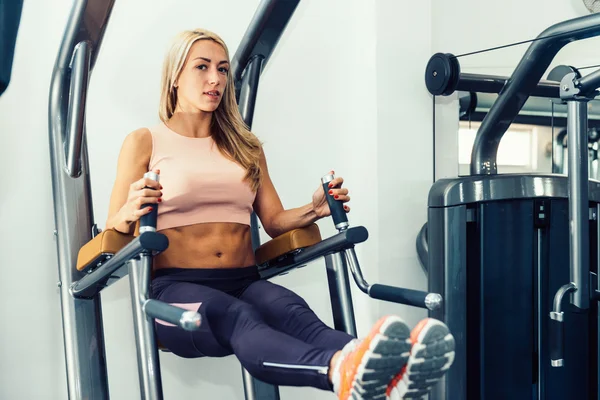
x=451, y=200
x=80, y=290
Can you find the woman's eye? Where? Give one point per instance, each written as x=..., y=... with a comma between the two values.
x=201, y=66
x=223, y=70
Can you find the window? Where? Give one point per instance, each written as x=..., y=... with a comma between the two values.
x=516, y=147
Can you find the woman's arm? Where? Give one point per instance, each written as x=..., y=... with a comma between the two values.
x=276, y=220
x=132, y=165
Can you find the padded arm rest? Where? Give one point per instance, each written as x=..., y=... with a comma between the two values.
x=288, y=242
x=92, y=283
x=339, y=242
x=104, y=245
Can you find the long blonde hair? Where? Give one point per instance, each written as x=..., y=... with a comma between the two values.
x=230, y=133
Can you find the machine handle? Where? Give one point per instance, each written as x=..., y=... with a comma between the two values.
x=186, y=319
x=556, y=339
x=80, y=70
x=148, y=221
x=411, y=297
x=340, y=219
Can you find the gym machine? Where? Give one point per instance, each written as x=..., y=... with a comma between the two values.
x=91, y=261
x=521, y=304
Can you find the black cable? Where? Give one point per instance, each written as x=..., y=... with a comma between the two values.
x=590, y=66
x=433, y=139
x=518, y=43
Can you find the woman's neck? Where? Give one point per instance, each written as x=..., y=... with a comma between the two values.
x=197, y=125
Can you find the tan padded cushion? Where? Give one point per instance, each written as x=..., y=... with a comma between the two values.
x=106, y=242
x=288, y=242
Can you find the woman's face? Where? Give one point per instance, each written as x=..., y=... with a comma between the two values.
x=203, y=78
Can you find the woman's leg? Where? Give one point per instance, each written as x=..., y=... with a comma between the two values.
x=231, y=326
x=284, y=310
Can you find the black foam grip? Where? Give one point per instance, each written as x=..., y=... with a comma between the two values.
x=556, y=340
x=335, y=206
x=394, y=294
x=151, y=218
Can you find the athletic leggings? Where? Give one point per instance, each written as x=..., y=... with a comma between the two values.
x=277, y=338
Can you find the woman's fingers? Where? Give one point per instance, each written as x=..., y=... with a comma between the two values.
x=336, y=182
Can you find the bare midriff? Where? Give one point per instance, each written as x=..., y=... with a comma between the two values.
x=207, y=245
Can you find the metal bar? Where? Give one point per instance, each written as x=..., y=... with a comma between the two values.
x=521, y=84
x=578, y=202
x=411, y=297
x=263, y=33
x=540, y=319
x=80, y=69
x=447, y=276
x=333, y=244
x=249, y=89
x=589, y=83
x=85, y=359
x=147, y=351
x=598, y=288
x=185, y=319
x=480, y=83
x=246, y=92
x=92, y=283
x=339, y=293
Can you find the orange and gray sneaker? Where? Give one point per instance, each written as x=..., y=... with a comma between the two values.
x=366, y=366
x=430, y=358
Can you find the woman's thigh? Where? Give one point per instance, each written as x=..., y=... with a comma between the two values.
x=286, y=311
x=202, y=342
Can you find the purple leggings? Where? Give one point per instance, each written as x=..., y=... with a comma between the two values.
x=275, y=335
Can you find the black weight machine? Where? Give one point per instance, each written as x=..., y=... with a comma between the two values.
x=521, y=304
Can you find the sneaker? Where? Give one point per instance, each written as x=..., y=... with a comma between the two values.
x=430, y=358
x=364, y=370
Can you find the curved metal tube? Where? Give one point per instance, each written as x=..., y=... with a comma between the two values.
x=589, y=83
x=263, y=33
x=523, y=81
x=558, y=298
x=423, y=248
x=80, y=69
x=83, y=336
x=495, y=84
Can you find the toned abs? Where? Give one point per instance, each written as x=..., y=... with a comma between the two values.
x=207, y=245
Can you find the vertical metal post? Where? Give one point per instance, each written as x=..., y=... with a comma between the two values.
x=540, y=318
x=598, y=288
x=339, y=292
x=577, y=125
x=254, y=389
x=83, y=335
x=447, y=238
x=147, y=351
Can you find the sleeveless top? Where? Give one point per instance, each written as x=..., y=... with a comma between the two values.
x=199, y=183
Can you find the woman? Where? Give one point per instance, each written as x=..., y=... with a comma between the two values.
x=215, y=174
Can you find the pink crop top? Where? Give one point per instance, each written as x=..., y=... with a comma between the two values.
x=199, y=183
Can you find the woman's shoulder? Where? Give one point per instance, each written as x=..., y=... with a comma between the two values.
x=138, y=142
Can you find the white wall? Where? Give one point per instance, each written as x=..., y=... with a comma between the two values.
x=31, y=352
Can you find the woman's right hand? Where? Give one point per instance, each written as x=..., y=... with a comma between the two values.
x=141, y=193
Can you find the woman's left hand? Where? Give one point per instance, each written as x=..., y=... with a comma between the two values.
x=320, y=206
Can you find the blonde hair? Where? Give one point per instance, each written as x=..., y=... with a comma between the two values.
x=230, y=133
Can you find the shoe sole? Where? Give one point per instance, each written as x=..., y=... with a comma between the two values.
x=383, y=354
x=431, y=356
